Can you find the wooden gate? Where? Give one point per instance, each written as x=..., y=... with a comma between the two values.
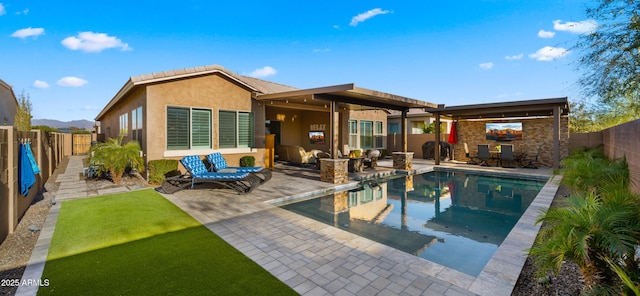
x=81, y=143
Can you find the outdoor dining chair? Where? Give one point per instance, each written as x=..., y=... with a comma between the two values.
x=483, y=154
x=506, y=156
x=469, y=156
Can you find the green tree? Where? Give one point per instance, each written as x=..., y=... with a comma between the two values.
x=22, y=120
x=431, y=128
x=115, y=157
x=46, y=128
x=610, y=59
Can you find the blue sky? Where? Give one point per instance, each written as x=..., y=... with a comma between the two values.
x=71, y=57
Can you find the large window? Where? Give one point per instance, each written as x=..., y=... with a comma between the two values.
x=188, y=128
x=353, y=134
x=377, y=134
x=136, y=124
x=366, y=134
x=236, y=129
x=124, y=124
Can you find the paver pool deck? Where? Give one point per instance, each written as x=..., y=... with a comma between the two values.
x=317, y=259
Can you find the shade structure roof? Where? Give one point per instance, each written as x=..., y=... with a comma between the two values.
x=348, y=96
x=529, y=108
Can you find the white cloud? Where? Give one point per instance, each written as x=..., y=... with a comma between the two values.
x=549, y=53
x=337, y=27
x=24, y=11
x=28, y=32
x=89, y=108
x=40, y=84
x=2, y=10
x=322, y=50
x=366, y=15
x=94, y=42
x=486, y=66
x=546, y=34
x=514, y=57
x=575, y=27
x=71, y=81
x=263, y=72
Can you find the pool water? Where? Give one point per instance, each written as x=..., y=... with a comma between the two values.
x=452, y=218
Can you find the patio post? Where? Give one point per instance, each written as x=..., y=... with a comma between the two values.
x=436, y=148
x=556, y=137
x=403, y=123
x=335, y=127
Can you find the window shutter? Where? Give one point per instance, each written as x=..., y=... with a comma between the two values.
x=245, y=130
x=201, y=129
x=177, y=128
x=227, y=133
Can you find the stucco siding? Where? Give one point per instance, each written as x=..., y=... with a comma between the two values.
x=206, y=92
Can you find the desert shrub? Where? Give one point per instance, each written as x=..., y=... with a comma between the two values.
x=247, y=161
x=159, y=168
x=115, y=157
x=598, y=228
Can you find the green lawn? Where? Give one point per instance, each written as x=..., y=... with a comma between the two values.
x=139, y=243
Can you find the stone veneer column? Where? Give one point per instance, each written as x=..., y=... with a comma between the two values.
x=334, y=170
x=402, y=160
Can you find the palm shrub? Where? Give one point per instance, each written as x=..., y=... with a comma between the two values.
x=598, y=228
x=589, y=230
x=115, y=157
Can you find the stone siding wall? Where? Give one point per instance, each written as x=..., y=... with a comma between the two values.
x=536, y=132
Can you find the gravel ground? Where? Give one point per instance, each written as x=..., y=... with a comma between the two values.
x=568, y=282
x=16, y=249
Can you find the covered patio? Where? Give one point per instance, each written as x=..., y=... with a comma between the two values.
x=545, y=125
x=339, y=102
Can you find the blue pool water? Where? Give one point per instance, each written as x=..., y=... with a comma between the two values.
x=452, y=218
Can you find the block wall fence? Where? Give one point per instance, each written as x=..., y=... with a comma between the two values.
x=48, y=150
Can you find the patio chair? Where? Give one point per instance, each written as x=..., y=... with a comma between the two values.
x=371, y=160
x=483, y=154
x=530, y=162
x=241, y=182
x=469, y=156
x=506, y=155
x=218, y=164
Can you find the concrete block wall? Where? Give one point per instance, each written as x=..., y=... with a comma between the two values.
x=48, y=151
x=623, y=141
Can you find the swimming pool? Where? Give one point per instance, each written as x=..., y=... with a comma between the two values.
x=455, y=219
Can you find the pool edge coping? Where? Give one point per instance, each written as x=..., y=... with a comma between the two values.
x=501, y=273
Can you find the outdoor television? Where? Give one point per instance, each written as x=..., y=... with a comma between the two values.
x=505, y=131
x=316, y=137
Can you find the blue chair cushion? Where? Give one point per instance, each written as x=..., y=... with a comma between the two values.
x=217, y=161
x=220, y=165
x=193, y=164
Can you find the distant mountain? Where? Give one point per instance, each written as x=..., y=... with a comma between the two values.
x=83, y=124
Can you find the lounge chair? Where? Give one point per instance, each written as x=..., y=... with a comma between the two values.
x=218, y=164
x=241, y=182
